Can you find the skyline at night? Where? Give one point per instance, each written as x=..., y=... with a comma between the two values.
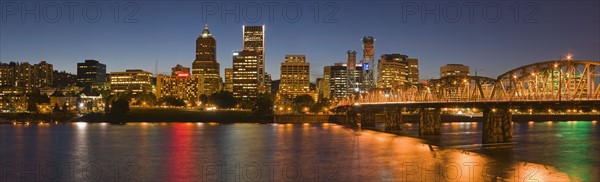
x=265, y=90
x=166, y=33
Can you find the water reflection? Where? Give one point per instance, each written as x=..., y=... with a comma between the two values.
x=302, y=152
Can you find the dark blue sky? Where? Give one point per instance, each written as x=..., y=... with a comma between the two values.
x=166, y=31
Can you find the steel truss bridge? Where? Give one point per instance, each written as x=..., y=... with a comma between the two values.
x=550, y=86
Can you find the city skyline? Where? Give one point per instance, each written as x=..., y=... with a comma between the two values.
x=496, y=46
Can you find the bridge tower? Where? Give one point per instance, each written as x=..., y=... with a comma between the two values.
x=351, y=73
x=368, y=63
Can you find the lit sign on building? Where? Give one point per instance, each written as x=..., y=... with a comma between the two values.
x=366, y=66
x=183, y=75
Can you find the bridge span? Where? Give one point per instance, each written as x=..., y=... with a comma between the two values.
x=544, y=87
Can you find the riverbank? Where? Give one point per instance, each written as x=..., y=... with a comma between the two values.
x=181, y=115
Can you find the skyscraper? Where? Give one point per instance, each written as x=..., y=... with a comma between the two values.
x=206, y=63
x=91, y=73
x=254, y=40
x=295, y=77
x=245, y=74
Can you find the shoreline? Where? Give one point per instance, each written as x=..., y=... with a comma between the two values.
x=162, y=115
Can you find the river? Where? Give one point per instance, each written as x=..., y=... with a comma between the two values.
x=544, y=151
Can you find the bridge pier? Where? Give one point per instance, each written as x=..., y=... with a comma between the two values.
x=497, y=126
x=351, y=117
x=430, y=122
x=367, y=119
x=393, y=119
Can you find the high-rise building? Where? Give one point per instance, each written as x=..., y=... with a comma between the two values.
x=179, y=69
x=254, y=40
x=392, y=71
x=135, y=81
x=245, y=74
x=454, y=69
x=338, y=85
x=25, y=76
x=397, y=70
x=295, y=77
x=413, y=70
x=7, y=74
x=206, y=63
x=91, y=73
x=43, y=74
x=181, y=86
x=228, y=85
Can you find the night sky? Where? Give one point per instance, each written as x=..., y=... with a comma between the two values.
x=166, y=32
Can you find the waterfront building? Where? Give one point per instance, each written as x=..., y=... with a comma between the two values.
x=184, y=86
x=12, y=99
x=295, y=77
x=135, y=81
x=90, y=100
x=25, y=76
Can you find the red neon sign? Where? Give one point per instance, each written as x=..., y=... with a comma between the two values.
x=183, y=75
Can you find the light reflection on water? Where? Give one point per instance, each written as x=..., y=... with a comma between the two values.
x=555, y=151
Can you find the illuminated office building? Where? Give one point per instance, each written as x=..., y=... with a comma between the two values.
x=206, y=63
x=91, y=73
x=295, y=77
x=245, y=74
x=182, y=85
x=135, y=81
x=454, y=69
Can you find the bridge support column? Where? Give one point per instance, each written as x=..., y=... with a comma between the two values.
x=351, y=117
x=367, y=119
x=430, y=122
x=393, y=119
x=497, y=126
